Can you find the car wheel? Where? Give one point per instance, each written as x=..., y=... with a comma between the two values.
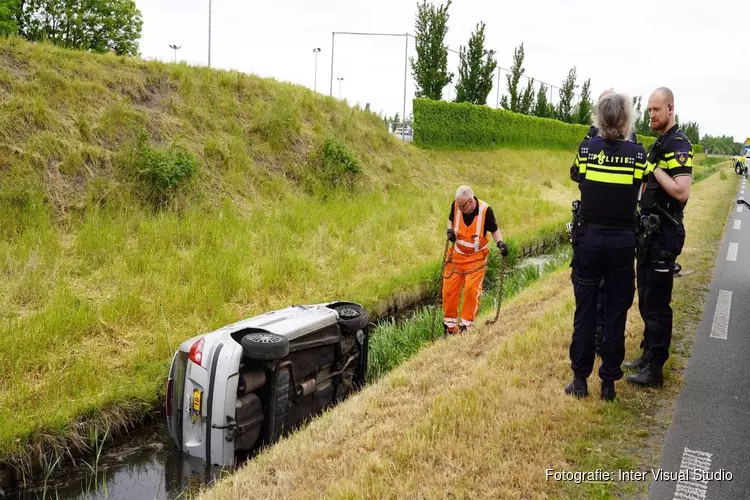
x=264, y=346
x=352, y=316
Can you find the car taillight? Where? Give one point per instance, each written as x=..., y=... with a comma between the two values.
x=169, y=397
x=196, y=352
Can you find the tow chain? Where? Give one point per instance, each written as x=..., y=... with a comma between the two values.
x=448, y=258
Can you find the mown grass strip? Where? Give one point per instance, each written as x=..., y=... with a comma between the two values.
x=483, y=416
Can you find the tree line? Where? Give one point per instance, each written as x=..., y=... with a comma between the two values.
x=96, y=25
x=477, y=66
x=476, y=70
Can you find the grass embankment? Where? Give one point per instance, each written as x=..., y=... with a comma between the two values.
x=97, y=287
x=484, y=415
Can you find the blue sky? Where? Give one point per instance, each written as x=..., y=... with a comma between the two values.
x=696, y=48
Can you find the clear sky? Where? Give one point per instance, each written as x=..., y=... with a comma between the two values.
x=697, y=48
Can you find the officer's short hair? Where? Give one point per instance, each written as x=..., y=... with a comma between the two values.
x=667, y=93
x=464, y=192
x=613, y=116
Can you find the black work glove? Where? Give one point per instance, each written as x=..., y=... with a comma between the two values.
x=503, y=248
x=451, y=235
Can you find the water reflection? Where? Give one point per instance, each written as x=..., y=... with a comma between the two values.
x=146, y=466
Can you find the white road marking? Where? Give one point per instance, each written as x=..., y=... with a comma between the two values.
x=721, y=316
x=732, y=252
x=692, y=462
x=737, y=223
x=739, y=208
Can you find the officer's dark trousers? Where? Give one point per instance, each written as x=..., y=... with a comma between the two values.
x=601, y=301
x=655, y=280
x=609, y=253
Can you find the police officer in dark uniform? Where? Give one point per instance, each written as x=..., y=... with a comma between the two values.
x=661, y=235
x=601, y=301
x=604, y=238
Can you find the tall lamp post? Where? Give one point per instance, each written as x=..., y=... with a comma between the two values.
x=340, y=79
x=316, y=51
x=175, y=48
x=209, y=33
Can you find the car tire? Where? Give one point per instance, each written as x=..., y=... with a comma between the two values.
x=352, y=316
x=264, y=346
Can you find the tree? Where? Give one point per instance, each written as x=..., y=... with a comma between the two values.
x=541, y=107
x=430, y=70
x=723, y=145
x=475, y=70
x=583, y=114
x=95, y=25
x=567, y=91
x=9, y=11
x=638, y=114
x=527, y=99
x=643, y=124
x=516, y=70
x=692, y=130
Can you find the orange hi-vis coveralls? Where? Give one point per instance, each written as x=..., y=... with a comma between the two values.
x=469, y=252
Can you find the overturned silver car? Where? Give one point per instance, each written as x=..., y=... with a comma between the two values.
x=246, y=384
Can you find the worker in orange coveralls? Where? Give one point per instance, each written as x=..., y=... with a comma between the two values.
x=469, y=222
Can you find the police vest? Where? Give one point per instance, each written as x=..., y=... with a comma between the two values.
x=611, y=176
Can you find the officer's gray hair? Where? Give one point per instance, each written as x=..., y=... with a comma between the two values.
x=464, y=192
x=613, y=116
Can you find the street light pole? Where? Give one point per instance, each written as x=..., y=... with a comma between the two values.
x=406, y=60
x=209, y=33
x=497, y=105
x=316, y=51
x=340, y=79
x=175, y=48
x=333, y=46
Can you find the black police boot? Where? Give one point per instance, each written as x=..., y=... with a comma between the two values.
x=578, y=388
x=462, y=329
x=608, y=390
x=638, y=364
x=650, y=375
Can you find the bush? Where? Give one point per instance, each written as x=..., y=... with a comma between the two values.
x=468, y=126
x=336, y=165
x=163, y=171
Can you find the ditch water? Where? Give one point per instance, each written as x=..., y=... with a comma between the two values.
x=145, y=465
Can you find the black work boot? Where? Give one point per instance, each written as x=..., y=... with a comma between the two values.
x=650, y=375
x=638, y=364
x=578, y=388
x=608, y=390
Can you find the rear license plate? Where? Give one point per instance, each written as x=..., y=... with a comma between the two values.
x=197, y=402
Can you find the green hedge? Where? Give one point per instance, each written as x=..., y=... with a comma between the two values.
x=467, y=126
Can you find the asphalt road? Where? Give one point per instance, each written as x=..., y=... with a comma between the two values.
x=708, y=441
